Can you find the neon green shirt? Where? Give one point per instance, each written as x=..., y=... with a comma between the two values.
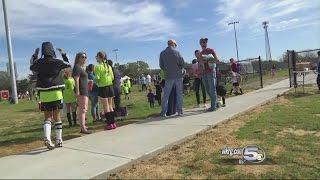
x=129, y=83
x=126, y=89
x=68, y=93
x=104, y=75
x=50, y=96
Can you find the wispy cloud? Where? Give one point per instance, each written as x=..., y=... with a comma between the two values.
x=282, y=15
x=201, y=19
x=128, y=19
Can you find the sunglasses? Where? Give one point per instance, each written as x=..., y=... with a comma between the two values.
x=84, y=57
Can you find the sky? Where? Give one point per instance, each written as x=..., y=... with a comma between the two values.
x=140, y=28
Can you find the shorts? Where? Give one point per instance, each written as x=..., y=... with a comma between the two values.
x=106, y=92
x=51, y=106
x=221, y=91
x=235, y=84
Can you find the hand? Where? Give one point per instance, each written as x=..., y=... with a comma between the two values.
x=61, y=51
x=36, y=52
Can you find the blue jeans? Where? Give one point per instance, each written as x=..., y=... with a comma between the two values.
x=210, y=85
x=169, y=83
x=93, y=96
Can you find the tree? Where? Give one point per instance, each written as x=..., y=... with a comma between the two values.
x=23, y=85
x=5, y=81
x=134, y=69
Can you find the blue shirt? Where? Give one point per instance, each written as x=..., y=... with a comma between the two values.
x=91, y=76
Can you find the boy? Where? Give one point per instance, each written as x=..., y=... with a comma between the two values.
x=151, y=98
x=158, y=92
x=126, y=91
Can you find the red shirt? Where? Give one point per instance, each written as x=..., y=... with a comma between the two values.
x=234, y=67
x=204, y=64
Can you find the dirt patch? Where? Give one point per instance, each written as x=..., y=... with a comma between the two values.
x=192, y=158
x=297, y=132
x=19, y=148
x=277, y=149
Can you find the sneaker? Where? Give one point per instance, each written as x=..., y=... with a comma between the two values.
x=85, y=132
x=49, y=144
x=58, y=143
x=114, y=125
x=205, y=106
x=223, y=105
x=210, y=110
x=163, y=115
x=108, y=127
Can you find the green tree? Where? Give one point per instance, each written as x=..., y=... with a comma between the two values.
x=5, y=81
x=23, y=85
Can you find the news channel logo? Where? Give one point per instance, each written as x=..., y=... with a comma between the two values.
x=250, y=153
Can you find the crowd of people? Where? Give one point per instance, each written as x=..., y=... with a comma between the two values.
x=102, y=82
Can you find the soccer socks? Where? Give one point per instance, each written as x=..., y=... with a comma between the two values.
x=58, y=127
x=74, y=117
x=47, y=134
x=223, y=100
x=47, y=130
x=69, y=119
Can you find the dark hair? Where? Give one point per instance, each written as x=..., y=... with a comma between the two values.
x=194, y=61
x=204, y=39
x=90, y=67
x=110, y=62
x=195, y=52
x=318, y=53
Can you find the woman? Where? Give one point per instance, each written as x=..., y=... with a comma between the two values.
x=69, y=97
x=104, y=79
x=50, y=86
x=93, y=93
x=81, y=89
x=198, y=80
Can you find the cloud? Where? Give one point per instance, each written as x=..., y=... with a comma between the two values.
x=200, y=19
x=282, y=15
x=122, y=19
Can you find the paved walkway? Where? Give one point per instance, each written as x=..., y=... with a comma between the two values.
x=95, y=155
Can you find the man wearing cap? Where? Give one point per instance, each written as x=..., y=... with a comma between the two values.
x=171, y=62
x=207, y=63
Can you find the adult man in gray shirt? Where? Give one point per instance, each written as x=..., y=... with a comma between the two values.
x=171, y=62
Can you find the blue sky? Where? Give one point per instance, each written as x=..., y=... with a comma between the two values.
x=141, y=28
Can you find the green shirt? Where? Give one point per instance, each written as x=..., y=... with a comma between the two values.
x=104, y=75
x=126, y=89
x=68, y=93
x=51, y=96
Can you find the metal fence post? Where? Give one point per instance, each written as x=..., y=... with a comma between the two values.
x=260, y=72
x=295, y=83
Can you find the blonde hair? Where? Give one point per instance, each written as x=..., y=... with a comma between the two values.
x=67, y=73
x=78, y=57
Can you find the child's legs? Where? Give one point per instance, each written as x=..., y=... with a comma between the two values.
x=110, y=103
x=68, y=107
x=83, y=106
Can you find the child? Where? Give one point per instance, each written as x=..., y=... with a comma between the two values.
x=158, y=92
x=151, y=98
x=69, y=97
x=126, y=91
x=235, y=83
x=50, y=86
x=221, y=90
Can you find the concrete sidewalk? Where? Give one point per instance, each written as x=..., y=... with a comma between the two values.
x=95, y=155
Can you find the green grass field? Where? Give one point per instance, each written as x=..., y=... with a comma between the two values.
x=21, y=124
x=288, y=129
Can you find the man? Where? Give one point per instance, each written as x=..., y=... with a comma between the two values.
x=171, y=62
x=207, y=63
x=318, y=71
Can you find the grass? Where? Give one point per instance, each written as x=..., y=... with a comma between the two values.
x=288, y=129
x=21, y=124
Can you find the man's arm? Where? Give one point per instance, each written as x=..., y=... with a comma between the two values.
x=161, y=64
x=181, y=60
x=215, y=56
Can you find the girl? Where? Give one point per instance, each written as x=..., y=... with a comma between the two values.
x=104, y=79
x=93, y=93
x=50, y=86
x=81, y=89
x=69, y=97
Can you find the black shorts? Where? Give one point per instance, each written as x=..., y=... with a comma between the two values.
x=221, y=90
x=235, y=84
x=51, y=106
x=106, y=92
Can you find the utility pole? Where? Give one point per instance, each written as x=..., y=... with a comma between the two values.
x=235, y=36
x=10, y=56
x=116, y=51
x=267, y=43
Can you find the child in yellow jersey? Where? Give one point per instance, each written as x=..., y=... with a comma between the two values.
x=126, y=90
x=104, y=80
x=69, y=97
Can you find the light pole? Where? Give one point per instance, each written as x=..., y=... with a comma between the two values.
x=10, y=56
x=267, y=43
x=235, y=36
x=116, y=51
